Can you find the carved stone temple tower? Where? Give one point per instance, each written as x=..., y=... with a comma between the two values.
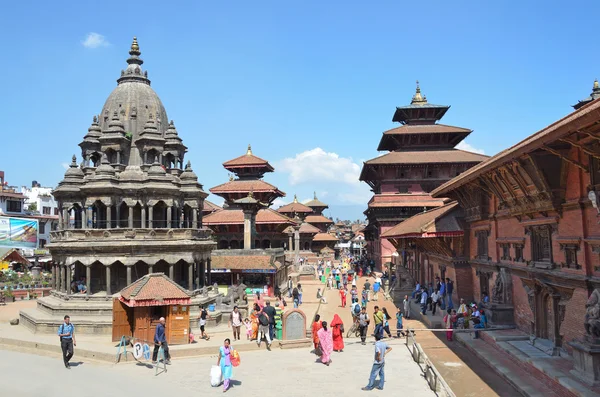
x=129, y=209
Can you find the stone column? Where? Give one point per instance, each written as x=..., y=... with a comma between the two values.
x=130, y=218
x=248, y=229
x=194, y=218
x=150, y=269
x=89, y=217
x=83, y=218
x=128, y=274
x=60, y=278
x=297, y=240
x=191, y=276
x=68, y=282
x=169, y=216
x=201, y=273
x=208, y=275
x=108, y=292
x=197, y=266
x=171, y=271
x=53, y=277
x=60, y=220
x=118, y=215
x=108, y=216
x=119, y=157
x=143, y=217
x=290, y=244
x=150, y=216
x=66, y=218
x=88, y=279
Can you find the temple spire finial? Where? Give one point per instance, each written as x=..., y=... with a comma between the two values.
x=418, y=98
x=295, y=199
x=315, y=195
x=249, y=151
x=135, y=48
x=74, y=161
x=596, y=85
x=251, y=193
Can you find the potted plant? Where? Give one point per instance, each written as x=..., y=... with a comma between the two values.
x=8, y=294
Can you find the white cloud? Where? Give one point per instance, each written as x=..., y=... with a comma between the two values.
x=317, y=165
x=465, y=146
x=278, y=202
x=95, y=40
x=66, y=166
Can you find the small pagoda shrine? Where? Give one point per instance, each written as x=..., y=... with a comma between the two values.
x=422, y=156
x=250, y=235
x=316, y=218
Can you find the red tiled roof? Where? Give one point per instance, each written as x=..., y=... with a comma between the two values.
x=581, y=118
x=405, y=200
x=154, y=289
x=244, y=186
x=11, y=194
x=244, y=262
x=324, y=237
x=307, y=228
x=247, y=160
x=429, y=157
x=294, y=207
x=317, y=219
x=433, y=223
x=426, y=129
x=210, y=207
x=236, y=216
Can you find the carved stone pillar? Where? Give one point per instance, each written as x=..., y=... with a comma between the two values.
x=290, y=243
x=150, y=269
x=169, y=217
x=143, y=216
x=60, y=278
x=90, y=217
x=88, y=279
x=202, y=273
x=197, y=266
x=118, y=215
x=191, y=276
x=150, y=217
x=171, y=271
x=128, y=274
x=108, y=292
x=66, y=218
x=119, y=157
x=194, y=218
x=208, y=276
x=108, y=216
x=130, y=218
x=68, y=282
x=83, y=218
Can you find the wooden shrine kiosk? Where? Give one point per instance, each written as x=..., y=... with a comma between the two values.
x=140, y=305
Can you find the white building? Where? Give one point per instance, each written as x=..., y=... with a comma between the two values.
x=40, y=204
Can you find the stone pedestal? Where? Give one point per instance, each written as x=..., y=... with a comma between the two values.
x=586, y=360
x=36, y=272
x=499, y=314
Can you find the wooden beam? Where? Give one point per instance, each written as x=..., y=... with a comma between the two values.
x=580, y=146
x=593, y=136
x=565, y=158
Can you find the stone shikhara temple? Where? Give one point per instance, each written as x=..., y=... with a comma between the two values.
x=129, y=209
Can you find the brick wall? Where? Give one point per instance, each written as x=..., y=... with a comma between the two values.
x=523, y=313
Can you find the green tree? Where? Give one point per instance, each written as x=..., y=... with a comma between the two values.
x=32, y=207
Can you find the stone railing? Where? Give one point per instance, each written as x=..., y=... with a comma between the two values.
x=140, y=234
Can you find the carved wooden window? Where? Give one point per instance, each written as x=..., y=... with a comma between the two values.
x=518, y=252
x=505, y=252
x=541, y=243
x=482, y=244
x=570, y=251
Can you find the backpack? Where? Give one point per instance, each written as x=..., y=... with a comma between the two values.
x=263, y=319
x=356, y=309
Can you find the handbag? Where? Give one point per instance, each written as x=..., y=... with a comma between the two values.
x=318, y=350
x=235, y=358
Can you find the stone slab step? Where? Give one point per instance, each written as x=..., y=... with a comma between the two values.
x=526, y=384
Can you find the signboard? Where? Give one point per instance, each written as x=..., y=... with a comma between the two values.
x=258, y=271
x=220, y=270
x=18, y=232
x=146, y=351
x=138, y=350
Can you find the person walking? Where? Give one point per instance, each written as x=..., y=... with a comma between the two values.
x=363, y=325
x=316, y=326
x=224, y=360
x=442, y=292
x=295, y=297
x=399, y=326
x=66, y=333
x=202, y=322
x=367, y=287
x=386, y=322
x=343, y=296
x=337, y=333
x=406, y=304
x=299, y=294
x=326, y=342
x=160, y=339
x=449, y=320
x=378, y=318
x=354, y=294
x=270, y=311
x=290, y=286
x=235, y=322
x=381, y=350
x=263, y=329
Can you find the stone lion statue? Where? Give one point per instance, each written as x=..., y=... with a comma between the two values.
x=592, y=315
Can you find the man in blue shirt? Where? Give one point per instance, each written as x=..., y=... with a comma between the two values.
x=160, y=339
x=381, y=349
x=424, y=302
x=449, y=290
x=443, y=295
x=66, y=333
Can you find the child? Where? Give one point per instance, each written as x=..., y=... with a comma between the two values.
x=399, y=324
x=248, y=325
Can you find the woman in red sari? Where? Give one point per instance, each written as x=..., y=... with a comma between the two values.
x=337, y=330
x=315, y=330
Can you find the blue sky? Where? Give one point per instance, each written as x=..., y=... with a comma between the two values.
x=311, y=85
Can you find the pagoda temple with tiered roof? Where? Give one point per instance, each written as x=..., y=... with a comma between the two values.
x=422, y=156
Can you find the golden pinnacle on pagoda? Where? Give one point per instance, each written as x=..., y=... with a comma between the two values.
x=249, y=152
x=418, y=99
x=295, y=199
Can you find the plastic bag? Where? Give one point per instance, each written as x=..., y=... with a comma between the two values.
x=215, y=376
x=235, y=358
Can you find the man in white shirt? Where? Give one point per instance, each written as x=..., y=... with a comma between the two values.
x=435, y=297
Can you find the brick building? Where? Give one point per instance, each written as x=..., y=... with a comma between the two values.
x=422, y=156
